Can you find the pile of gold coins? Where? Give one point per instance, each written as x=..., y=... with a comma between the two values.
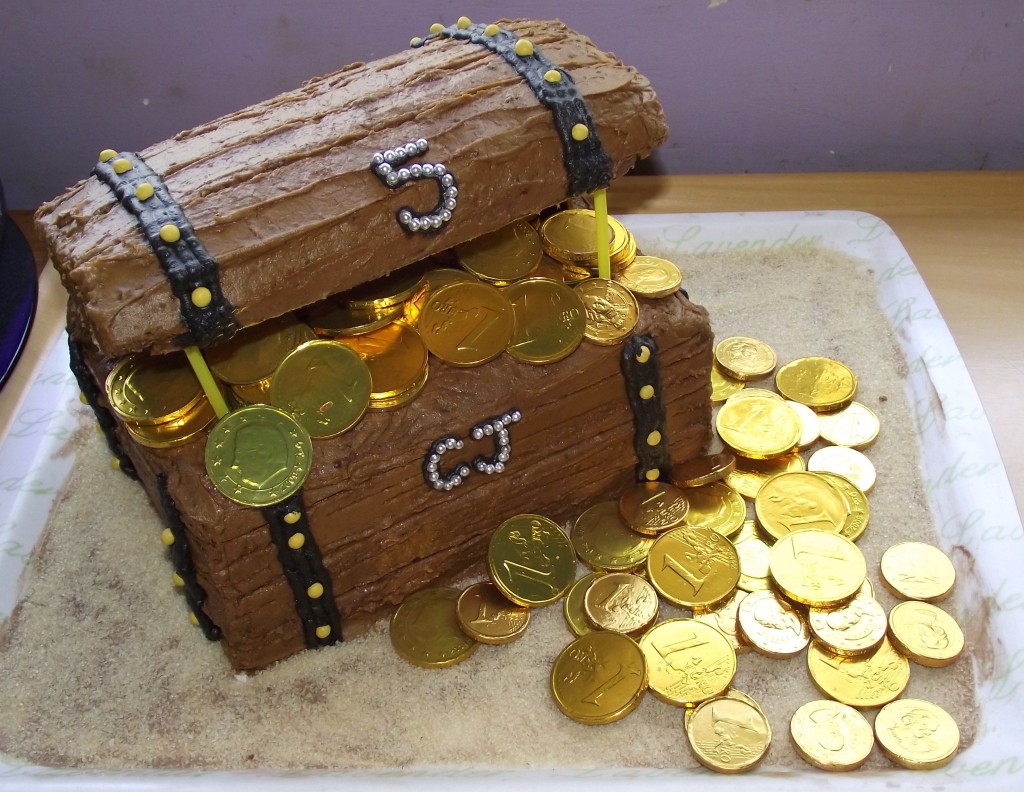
x=790, y=581
x=529, y=289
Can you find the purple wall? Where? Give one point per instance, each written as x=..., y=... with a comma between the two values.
x=782, y=85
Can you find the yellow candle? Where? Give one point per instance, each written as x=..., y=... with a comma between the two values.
x=205, y=376
x=604, y=264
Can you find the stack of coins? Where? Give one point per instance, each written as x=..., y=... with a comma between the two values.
x=569, y=238
x=159, y=400
x=762, y=552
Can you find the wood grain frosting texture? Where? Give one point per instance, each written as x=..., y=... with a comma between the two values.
x=281, y=194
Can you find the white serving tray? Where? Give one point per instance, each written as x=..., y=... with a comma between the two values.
x=961, y=468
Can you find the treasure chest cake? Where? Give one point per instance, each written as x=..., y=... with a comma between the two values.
x=339, y=336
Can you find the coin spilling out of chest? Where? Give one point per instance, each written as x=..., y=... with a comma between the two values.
x=425, y=629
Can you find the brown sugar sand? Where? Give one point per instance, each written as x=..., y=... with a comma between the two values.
x=100, y=668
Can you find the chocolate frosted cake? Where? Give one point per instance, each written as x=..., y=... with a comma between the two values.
x=317, y=192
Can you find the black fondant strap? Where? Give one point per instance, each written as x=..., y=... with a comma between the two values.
x=586, y=162
x=103, y=416
x=643, y=390
x=305, y=572
x=181, y=557
x=186, y=262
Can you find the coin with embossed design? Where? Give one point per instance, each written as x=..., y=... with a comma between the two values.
x=860, y=509
x=817, y=568
x=611, y=311
x=687, y=661
x=856, y=628
x=504, y=256
x=716, y=506
x=745, y=358
x=758, y=426
x=855, y=426
x=425, y=630
x=147, y=389
x=728, y=735
x=572, y=605
x=395, y=356
x=693, y=567
x=750, y=475
x=703, y=470
x=621, y=602
x=916, y=570
x=486, y=615
x=651, y=277
x=653, y=507
x=258, y=455
x=771, y=625
x=724, y=617
x=255, y=352
x=531, y=560
x=797, y=501
x=603, y=541
x=926, y=634
x=917, y=734
x=831, y=736
x=550, y=320
x=467, y=323
x=823, y=384
x=599, y=678
x=723, y=386
x=865, y=681
x=847, y=462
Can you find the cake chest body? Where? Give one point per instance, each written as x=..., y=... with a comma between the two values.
x=285, y=198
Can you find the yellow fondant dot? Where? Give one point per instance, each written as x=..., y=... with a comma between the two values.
x=107, y=154
x=121, y=165
x=115, y=463
x=201, y=297
x=177, y=580
x=492, y=30
x=524, y=48
x=580, y=132
x=169, y=233
x=292, y=517
x=316, y=591
x=463, y=23
x=415, y=41
x=144, y=191
x=643, y=355
x=296, y=541
x=437, y=27
x=82, y=399
x=553, y=75
x=167, y=537
x=193, y=618
x=654, y=438
x=653, y=474
x=323, y=631
x=647, y=392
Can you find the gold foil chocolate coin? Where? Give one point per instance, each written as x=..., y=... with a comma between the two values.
x=599, y=678
x=651, y=277
x=855, y=426
x=531, y=561
x=603, y=541
x=432, y=281
x=771, y=625
x=754, y=554
x=864, y=681
x=831, y=736
x=467, y=323
x=821, y=383
x=728, y=735
x=751, y=474
x=810, y=423
x=571, y=236
x=485, y=615
x=925, y=634
x=758, y=426
x=745, y=358
x=817, y=568
x=572, y=605
x=323, y=385
x=153, y=389
x=179, y=431
x=387, y=292
x=703, y=470
x=724, y=618
x=693, y=567
x=611, y=311
x=620, y=602
x=504, y=256
x=915, y=570
x=255, y=352
x=856, y=628
x=917, y=734
x=258, y=455
x=723, y=386
x=796, y=501
x=846, y=462
x=860, y=509
x=717, y=507
x=395, y=356
x=550, y=320
x=426, y=632
x=687, y=661
x=653, y=507
x=330, y=319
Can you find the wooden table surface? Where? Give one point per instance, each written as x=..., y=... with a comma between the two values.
x=964, y=232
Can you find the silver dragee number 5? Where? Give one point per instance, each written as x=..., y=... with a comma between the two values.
x=393, y=168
